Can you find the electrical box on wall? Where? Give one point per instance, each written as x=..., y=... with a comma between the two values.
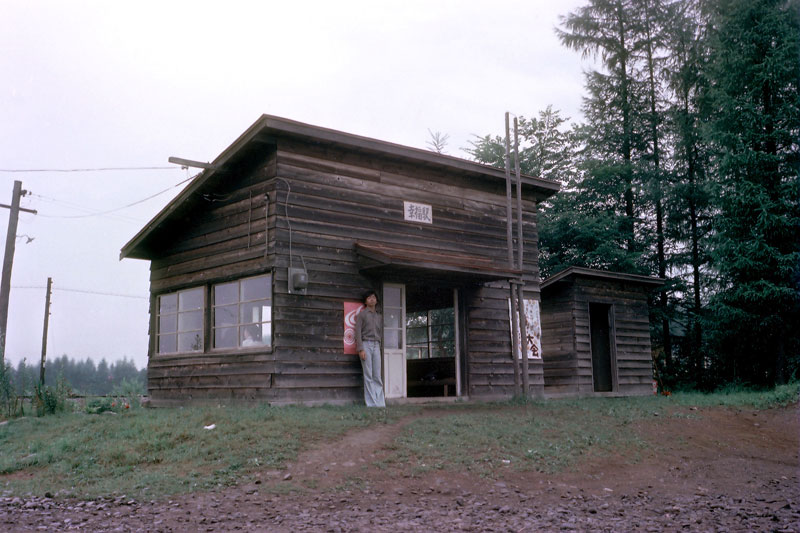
x=298, y=281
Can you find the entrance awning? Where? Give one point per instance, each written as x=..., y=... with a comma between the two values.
x=404, y=262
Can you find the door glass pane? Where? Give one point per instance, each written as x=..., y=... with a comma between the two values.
x=392, y=297
x=391, y=318
x=391, y=339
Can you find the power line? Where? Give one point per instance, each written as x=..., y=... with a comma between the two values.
x=100, y=213
x=99, y=169
x=82, y=291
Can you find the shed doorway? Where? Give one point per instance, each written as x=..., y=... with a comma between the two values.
x=421, y=341
x=600, y=321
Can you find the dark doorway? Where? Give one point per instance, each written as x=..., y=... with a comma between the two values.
x=600, y=334
x=430, y=341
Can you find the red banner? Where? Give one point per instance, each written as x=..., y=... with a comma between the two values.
x=351, y=310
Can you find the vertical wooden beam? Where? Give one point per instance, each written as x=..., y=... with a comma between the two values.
x=521, y=265
x=510, y=242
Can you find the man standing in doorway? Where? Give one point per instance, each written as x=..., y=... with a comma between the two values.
x=369, y=331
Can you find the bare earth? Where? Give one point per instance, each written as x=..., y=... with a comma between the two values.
x=724, y=470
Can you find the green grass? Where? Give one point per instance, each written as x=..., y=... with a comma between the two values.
x=554, y=435
x=735, y=396
x=159, y=452
x=164, y=451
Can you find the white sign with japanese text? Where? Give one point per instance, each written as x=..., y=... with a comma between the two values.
x=414, y=212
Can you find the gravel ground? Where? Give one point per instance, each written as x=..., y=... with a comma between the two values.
x=728, y=470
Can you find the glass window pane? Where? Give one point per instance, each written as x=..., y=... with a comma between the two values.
x=225, y=338
x=167, y=323
x=225, y=316
x=166, y=344
x=251, y=312
x=250, y=336
x=416, y=318
x=441, y=333
x=190, y=342
x=255, y=288
x=168, y=303
x=191, y=299
x=226, y=293
x=391, y=339
x=191, y=321
x=442, y=316
x=391, y=318
x=392, y=297
x=417, y=335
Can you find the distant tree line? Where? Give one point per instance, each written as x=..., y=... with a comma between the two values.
x=686, y=168
x=83, y=377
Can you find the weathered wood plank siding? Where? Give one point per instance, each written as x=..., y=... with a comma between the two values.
x=322, y=199
x=631, y=333
x=566, y=342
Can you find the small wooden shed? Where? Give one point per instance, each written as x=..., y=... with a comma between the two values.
x=258, y=267
x=596, y=333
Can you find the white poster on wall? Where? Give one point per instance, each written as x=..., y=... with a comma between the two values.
x=533, y=329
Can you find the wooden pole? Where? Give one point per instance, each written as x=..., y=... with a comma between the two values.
x=44, y=330
x=521, y=266
x=8, y=261
x=509, y=232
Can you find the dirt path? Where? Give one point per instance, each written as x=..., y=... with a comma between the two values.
x=724, y=470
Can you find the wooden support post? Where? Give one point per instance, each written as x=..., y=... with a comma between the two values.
x=8, y=261
x=521, y=265
x=513, y=294
x=44, y=330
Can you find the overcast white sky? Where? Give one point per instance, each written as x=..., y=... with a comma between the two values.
x=128, y=84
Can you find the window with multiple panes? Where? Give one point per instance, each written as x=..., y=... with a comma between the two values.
x=180, y=321
x=241, y=317
x=430, y=333
x=242, y=313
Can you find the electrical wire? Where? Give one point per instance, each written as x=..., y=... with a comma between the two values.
x=100, y=169
x=82, y=291
x=109, y=211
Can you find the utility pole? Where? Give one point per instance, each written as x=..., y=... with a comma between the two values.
x=515, y=344
x=44, y=332
x=521, y=265
x=8, y=261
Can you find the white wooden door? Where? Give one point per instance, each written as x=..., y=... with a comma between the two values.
x=394, y=340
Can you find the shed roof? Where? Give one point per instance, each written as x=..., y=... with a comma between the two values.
x=573, y=271
x=419, y=263
x=267, y=129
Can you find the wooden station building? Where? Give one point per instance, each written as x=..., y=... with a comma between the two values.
x=596, y=333
x=258, y=267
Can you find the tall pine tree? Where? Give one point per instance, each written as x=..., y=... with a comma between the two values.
x=754, y=78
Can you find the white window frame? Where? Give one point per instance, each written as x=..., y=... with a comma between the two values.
x=265, y=324
x=178, y=312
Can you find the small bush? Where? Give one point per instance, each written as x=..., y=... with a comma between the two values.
x=129, y=393
x=10, y=401
x=51, y=400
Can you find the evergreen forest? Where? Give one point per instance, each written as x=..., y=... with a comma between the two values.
x=684, y=167
x=82, y=377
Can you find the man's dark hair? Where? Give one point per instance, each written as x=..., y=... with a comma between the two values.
x=368, y=294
